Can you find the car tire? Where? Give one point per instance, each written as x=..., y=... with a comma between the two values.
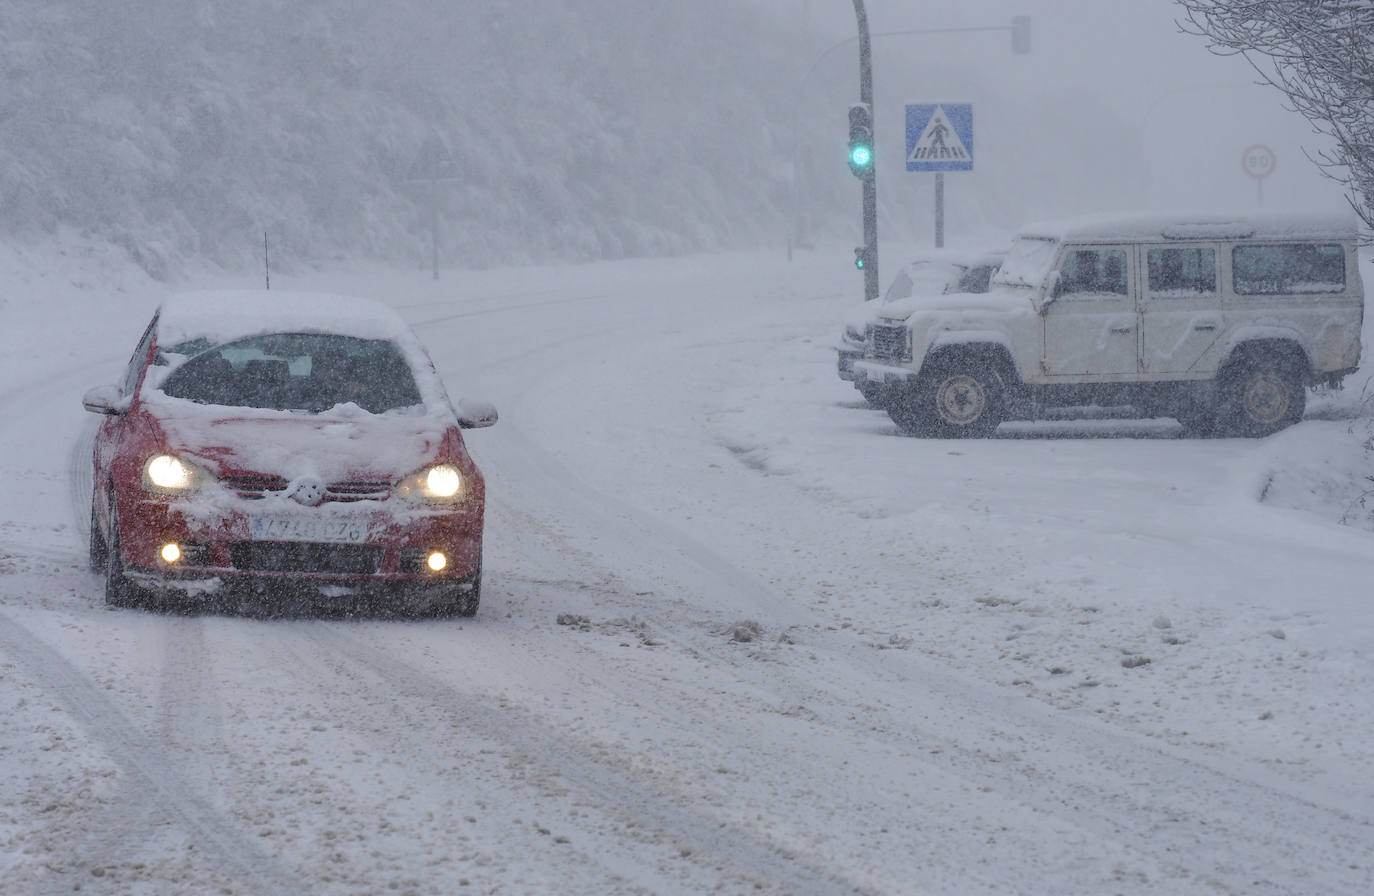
x=955, y=399
x=99, y=552
x=873, y=393
x=120, y=591
x=1260, y=396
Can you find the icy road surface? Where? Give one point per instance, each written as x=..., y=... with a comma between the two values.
x=737, y=635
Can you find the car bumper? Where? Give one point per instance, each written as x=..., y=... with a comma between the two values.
x=883, y=375
x=384, y=557
x=845, y=365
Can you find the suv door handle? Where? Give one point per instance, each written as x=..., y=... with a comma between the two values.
x=1122, y=329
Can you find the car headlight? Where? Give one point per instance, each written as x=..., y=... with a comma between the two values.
x=439, y=484
x=167, y=474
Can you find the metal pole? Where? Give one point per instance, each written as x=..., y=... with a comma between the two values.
x=939, y=209
x=870, y=183
x=434, y=230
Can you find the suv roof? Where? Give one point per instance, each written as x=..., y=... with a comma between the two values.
x=1126, y=228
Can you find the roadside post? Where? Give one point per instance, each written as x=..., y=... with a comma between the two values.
x=432, y=170
x=1258, y=161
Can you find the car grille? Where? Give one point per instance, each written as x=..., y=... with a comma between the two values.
x=306, y=557
x=889, y=343
x=255, y=487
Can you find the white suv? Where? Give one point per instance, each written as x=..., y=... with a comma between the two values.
x=937, y=272
x=1221, y=322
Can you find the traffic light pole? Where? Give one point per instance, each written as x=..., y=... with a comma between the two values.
x=870, y=183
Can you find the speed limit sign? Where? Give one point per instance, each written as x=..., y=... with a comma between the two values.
x=1258, y=161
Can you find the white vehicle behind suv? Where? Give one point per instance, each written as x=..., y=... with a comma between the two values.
x=1220, y=321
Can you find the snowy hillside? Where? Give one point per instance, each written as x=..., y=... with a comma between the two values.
x=179, y=129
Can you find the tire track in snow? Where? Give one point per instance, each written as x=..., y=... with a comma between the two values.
x=616, y=791
x=155, y=788
x=1165, y=810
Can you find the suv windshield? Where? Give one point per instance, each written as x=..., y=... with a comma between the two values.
x=296, y=371
x=1027, y=262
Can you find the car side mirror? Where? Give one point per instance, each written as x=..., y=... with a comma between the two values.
x=475, y=414
x=106, y=400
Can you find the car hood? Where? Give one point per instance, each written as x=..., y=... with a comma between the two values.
x=995, y=301
x=347, y=444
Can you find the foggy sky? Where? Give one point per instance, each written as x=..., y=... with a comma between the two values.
x=1189, y=113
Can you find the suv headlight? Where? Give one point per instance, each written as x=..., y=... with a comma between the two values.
x=439, y=484
x=167, y=474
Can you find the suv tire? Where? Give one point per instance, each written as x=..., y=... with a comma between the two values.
x=1260, y=396
x=955, y=399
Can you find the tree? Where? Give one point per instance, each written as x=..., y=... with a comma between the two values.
x=1320, y=54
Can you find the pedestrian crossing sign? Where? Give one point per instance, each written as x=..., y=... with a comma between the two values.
x=939, y=137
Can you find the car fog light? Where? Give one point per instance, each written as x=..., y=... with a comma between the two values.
x=171, y=552
x=437, y=561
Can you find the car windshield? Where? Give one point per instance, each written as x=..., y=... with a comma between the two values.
x=1027, y=262
x=295, y=371
x=923, y=278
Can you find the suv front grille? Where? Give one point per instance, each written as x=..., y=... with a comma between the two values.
x=889, y=343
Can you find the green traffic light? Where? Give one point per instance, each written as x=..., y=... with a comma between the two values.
x=861, y=156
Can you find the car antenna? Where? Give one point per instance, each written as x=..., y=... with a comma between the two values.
x=266, y=264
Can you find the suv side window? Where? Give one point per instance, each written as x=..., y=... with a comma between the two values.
x=1288, y=269
x=1087, y=272
x=1182, y=273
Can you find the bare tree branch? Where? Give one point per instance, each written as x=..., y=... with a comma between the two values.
x=1320, y=54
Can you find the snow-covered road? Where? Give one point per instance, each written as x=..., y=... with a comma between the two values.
x=737, y=635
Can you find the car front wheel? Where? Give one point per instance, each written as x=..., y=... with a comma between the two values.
x=957, y=399
x=120, y=591
x=99, y=553
x=873, y=393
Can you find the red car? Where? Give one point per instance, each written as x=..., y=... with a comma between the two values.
x=291, y=448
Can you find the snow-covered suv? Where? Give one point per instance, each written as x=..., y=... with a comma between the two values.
x=1221, y=322
x=935, y=272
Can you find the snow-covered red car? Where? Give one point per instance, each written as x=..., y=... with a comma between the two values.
x=296, y=449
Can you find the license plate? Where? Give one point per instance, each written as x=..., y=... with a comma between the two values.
x=341, y=531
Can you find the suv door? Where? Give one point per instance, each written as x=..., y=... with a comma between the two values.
x=1180, y=308
x=1090, y=328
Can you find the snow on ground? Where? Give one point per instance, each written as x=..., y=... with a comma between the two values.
x=737, y=633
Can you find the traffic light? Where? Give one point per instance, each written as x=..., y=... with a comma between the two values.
x=861, y=140
x=1020, y=35
x=863, y=256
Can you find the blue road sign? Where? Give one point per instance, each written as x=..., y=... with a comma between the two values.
x=939, y=137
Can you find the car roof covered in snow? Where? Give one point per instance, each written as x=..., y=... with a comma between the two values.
x=964, y=257
x=224, y=315
x=1149, y=226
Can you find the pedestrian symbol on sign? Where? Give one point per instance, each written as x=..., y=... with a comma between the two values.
x=940, y=137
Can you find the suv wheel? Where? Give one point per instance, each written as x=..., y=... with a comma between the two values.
x=1261, y=396
x=957, y=399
